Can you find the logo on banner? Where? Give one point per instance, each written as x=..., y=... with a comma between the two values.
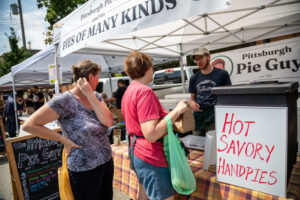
x=222, y=62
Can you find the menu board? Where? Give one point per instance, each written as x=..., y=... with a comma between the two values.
x=2, y=137
x=34, y=162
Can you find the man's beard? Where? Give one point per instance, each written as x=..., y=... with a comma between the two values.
x=206, y=66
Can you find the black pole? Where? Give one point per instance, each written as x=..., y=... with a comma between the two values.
x=22, y=24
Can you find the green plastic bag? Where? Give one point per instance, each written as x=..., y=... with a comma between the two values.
x=182, y=177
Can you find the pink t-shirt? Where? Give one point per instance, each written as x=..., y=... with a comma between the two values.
x=140, y=104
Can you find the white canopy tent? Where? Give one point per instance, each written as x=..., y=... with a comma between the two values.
x=116, y=28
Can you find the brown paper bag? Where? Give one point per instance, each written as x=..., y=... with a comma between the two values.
x=185, y=122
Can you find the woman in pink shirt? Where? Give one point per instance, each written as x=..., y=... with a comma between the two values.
x=146, y=126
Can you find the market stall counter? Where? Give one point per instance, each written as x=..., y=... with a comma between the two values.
x=207, y=187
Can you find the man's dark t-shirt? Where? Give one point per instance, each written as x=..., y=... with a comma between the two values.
x=119, y=95
x=201, y=84
x=29, y=103
x=38, y=104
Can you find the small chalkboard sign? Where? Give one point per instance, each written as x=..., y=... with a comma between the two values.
x=34, y=163
x=2, y=137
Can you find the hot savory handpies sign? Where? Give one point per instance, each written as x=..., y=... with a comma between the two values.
x=252, y=147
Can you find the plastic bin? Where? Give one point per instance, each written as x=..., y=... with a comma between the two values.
x=266, y=95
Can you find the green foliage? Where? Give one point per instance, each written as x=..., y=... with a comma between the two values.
x=15, y=56
x=56, y=10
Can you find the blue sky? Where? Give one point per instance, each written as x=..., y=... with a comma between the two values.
x=34, y=24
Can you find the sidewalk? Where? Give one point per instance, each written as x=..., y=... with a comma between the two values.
x=6, y=188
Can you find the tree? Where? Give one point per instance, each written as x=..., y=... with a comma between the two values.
x=56, y=10
x=15, y=56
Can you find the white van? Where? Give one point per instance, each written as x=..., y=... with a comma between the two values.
x=168, y=81
x=104, y=85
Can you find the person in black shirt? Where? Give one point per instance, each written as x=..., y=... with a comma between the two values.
x=21, y=107
x=10, y=115
x=202, y=100
x=29, y=102
x=38, y=98
x=50, y=93
x=117, y=96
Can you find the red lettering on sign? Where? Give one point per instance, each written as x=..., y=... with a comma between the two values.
x=227, y=169
x=275, y=179
x=248, y=122
x=240, y=171
x=257, y=149
x=254, y=180
x=249, y=171
x=237, y=123
x=235, y=171
x=262, y=177
x=246, y=150
x=270, y=152
x=220, y=150
x=241, y=128
x=226, y=122
x=232, y=146
x=221, y=166
x=240, y=149
x=246, y=173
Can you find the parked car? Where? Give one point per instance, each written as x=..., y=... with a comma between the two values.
x=168, y=81
x=104, y=85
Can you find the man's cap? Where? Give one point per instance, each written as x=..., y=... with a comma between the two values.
x=199, y=51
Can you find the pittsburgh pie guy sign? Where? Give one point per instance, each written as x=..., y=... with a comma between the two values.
x=252, y=147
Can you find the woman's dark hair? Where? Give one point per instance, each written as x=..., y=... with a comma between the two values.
x=136, y=64
x=84, y=68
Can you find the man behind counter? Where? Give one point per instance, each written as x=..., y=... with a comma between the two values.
x=202, y=100
x=117, y=96
x=38, y=98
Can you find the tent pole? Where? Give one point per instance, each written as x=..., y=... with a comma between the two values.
x=182, y=69
x=15, y=104
x=110, y=82
x=57, y=68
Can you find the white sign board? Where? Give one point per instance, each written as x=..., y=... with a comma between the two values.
x=96, y=21
x=272, y=61
x=252, y=147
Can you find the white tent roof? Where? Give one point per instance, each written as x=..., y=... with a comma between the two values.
x=242, y=22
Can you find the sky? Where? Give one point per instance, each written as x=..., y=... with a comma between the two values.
x=34, y=24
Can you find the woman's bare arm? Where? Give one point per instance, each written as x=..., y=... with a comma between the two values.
x=155, y=129
x=35, y=126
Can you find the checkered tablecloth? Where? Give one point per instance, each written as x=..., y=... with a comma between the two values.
x=207, y=187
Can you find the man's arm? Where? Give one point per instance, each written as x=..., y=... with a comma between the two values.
x=115, y=96
x=194, y=105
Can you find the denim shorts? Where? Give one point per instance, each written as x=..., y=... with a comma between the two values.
x=156, y=180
